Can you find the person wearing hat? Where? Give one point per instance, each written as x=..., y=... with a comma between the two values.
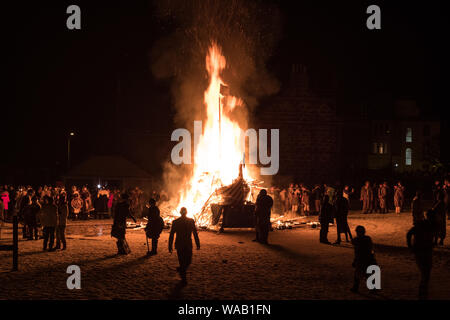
x=155, y=224
x=119, y=226
x=183, y=227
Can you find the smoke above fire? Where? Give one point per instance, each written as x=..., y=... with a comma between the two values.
x=245, y=32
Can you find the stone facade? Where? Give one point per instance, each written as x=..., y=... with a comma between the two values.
x=308, y=131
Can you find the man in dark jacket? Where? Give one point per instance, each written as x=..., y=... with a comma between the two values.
x=341, y=218
x=49, y=220
x=366, y=197
x=264, y=204
x=24, y=206
x=155, y=224
x=422, y=247
x=63, y=212
x=364, y=256
x=325, y=217
x=31, y=218
x=183, y=227
x=120, y=224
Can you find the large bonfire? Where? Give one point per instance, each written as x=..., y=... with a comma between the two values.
x=219, y=156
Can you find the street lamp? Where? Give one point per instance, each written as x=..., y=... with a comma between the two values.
x=71, y=134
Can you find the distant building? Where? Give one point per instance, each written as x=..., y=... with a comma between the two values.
x=318, y=144
x=308, y=130
x=405, y=141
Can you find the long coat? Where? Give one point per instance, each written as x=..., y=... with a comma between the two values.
x=155, y=223
x=341, y=215
x=366, y=195
x=382, y=196
x=120, y=220
x=399, y=197
x=49, y=215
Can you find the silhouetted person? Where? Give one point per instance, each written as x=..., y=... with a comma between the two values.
x=155, y=224
x=364, y=256
x=341, y=218
x=264, y=204
x=422, y=246
x=31, y=215
x=325, y=216
x=366, y=197
x=120, y=224
x=183, y=227
x=63, y=212
x=24, y=205
x=49, y=220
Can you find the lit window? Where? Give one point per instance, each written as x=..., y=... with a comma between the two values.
x=408, y=156
x=408, y=134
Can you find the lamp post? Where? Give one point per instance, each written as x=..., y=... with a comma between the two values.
x=71, y=134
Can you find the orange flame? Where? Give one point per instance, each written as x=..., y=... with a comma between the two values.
x=219, y=151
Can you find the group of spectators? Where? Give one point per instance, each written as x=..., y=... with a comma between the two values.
x=299, y=199
x=43, y=211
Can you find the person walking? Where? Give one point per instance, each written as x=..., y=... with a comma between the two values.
x=49, y=220
x=119, y=226
x=155, y=224
x=264, y=204
x=183, y=228
x=364, y=256
x=420, y=240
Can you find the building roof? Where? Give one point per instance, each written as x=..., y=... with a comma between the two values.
x=107, y=167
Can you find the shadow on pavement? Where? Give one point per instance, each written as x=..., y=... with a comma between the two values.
x=177, y=291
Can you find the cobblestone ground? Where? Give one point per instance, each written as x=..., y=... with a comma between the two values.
x=228, y=266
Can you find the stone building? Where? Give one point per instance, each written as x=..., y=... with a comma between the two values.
x=404, y=141
x=318, y=144
x=308, y=130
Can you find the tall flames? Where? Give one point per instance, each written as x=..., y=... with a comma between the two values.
x=219, y=153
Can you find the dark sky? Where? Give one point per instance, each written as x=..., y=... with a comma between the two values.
x=66, y=80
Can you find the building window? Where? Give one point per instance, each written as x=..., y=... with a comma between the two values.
x=379, y=148
x=408, y=156
x=408, y=134
x=426, y=130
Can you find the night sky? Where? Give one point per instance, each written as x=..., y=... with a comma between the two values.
x=66, y=80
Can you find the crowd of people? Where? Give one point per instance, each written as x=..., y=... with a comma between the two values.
x=43, y=211
x=50, y=207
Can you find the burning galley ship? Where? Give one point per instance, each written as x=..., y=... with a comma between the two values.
x=220, y=185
